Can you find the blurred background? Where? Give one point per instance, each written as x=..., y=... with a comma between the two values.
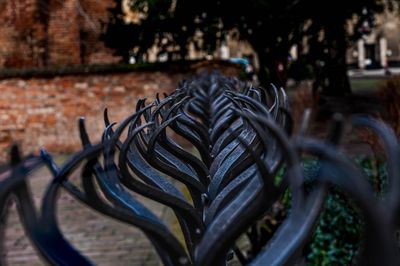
x=63, y=59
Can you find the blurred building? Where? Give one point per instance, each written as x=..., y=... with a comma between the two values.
x=37, y=33
x=379, y=48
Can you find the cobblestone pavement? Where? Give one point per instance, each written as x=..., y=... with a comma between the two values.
x=103, y=240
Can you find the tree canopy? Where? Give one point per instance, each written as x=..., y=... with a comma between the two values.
x=270, y=27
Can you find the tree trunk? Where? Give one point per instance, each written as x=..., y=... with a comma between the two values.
x=273, y=68
x=335, y=69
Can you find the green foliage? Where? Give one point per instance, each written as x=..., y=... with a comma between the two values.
x=338, y=235
x=376, y=173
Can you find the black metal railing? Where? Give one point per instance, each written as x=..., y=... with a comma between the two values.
x=241, y=137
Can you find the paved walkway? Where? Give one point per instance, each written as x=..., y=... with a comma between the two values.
x=372, y=73
x=103, y=240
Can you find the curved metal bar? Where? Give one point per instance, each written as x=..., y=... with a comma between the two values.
x=379, y=223
x=42, y=227
x=192, y=161
x=133, y=212
x=248, y=205
x=188, y=217
x=392, y=150
x=242, y=136
x=228, y=193
x=296, y=230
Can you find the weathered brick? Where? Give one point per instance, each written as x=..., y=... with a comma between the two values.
x=44, y=112
x=41, y=33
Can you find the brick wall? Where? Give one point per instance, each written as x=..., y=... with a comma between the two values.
x=20, y=34
x=63, y=33
x=44, y=112
x=93, y=14
x=53, y=32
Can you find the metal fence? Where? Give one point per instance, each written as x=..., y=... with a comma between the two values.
x=240, y=137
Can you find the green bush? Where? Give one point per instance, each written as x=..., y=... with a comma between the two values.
x=338, y=235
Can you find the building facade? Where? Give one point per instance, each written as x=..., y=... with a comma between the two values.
x=380, y=48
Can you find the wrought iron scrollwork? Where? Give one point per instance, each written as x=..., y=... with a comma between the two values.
x=240, y=137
